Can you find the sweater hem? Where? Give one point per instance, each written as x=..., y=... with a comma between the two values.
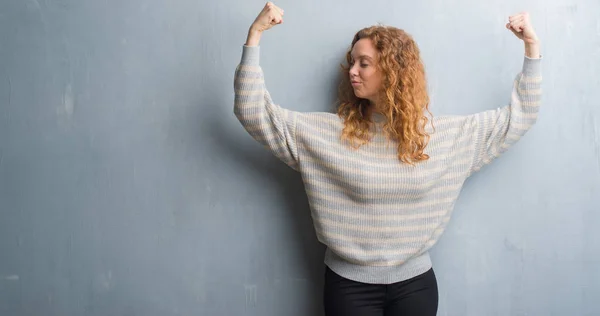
x=378, y=275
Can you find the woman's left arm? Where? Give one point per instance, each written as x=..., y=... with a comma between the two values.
x=496, y=130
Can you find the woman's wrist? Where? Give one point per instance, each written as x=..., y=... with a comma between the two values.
x=532, y=49
x=253, y=37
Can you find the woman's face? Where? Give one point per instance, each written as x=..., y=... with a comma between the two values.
x=365, y=76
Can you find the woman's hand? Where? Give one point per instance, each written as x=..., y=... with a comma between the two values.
x=270, y=16
x=520, y=25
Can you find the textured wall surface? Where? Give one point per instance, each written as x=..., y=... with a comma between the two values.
x=128, y=187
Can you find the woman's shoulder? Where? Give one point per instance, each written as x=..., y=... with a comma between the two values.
x=321, y=119
x=445, y=122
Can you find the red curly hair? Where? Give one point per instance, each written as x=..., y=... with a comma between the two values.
x=403, y=96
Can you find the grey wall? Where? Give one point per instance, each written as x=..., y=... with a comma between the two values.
x=127, y=186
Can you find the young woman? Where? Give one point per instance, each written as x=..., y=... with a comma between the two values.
x=381, y=176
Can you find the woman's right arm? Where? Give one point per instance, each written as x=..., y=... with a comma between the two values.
x=268, y=123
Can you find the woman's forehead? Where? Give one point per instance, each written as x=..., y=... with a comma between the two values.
x=364, y=48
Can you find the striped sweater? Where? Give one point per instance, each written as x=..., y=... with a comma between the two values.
x=378, y=216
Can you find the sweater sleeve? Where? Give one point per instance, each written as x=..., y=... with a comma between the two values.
x=496, y=130
x=268, y=123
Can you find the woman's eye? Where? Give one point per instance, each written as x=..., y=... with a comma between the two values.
x=364, y=65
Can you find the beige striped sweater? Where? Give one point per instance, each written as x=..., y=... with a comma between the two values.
x=377, y=216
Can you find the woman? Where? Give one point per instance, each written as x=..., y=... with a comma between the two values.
x=380, y=179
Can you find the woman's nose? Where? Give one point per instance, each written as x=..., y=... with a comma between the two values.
x=352, y=71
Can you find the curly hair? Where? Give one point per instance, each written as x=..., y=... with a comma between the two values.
x=403, y=96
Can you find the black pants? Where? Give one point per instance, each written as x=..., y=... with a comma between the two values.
x=416, y=296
